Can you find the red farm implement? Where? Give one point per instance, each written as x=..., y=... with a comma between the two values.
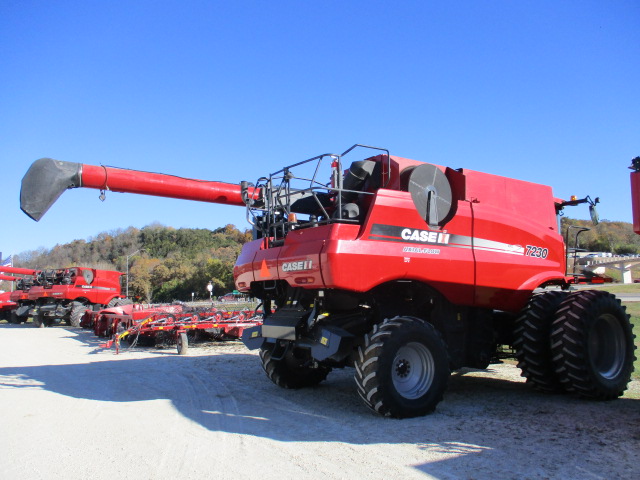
x=167, y=325
x=180, y=329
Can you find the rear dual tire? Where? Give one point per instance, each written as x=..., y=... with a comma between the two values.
x=592, y=345
x=532, y=343
x=580, y=342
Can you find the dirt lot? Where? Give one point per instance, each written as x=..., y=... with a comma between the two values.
x=72, y=410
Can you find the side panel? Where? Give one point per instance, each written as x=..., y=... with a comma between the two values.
x=243, y=269
x=107, y=278
x=516, y=241
x=93, y=293
x=299, y=258
x=19, y=295
x=396, y=244
x=265, y=264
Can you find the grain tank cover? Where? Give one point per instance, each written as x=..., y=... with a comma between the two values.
x=431, y=193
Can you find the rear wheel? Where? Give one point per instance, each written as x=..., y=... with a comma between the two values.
x=13, y=317
x=532, y=341
x=291, y=367
x=402, y=369
x=593, y=345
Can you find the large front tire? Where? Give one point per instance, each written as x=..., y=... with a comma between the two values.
x=592, y=345
x=289, y=367
x=532, y=341
x=77, y=311
x=402, y=369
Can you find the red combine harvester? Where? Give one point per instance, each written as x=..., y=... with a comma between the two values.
x=404, y=270
x=6, y=306
x=51, y=296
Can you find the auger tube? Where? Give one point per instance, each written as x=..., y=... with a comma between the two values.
x=9, y=278
x=17, y=270
x=47, y=179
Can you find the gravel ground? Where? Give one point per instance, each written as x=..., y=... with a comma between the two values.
x=73, y=410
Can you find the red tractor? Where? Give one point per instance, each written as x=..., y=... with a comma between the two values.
x=51, y=296
x=404, y=270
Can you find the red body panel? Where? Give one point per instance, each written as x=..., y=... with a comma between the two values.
x=521, y=217
x=5, y=302
x=635, y=200
x=104, y=286
x=19, y=296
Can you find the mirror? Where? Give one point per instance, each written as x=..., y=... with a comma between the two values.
x=594, y=214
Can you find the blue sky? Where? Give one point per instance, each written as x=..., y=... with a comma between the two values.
x=543, y=91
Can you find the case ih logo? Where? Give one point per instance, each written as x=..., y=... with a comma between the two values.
x=401, y=234
x=424, y=236
x=297, y=266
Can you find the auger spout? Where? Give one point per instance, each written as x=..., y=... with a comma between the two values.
x=47, y=179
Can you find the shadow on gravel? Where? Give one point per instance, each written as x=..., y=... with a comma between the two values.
x=481, y=421
x=16, y=325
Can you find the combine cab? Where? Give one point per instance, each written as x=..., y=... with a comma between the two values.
x=403, y=270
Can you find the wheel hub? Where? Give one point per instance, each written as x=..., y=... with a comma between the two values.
x=403, y=367
x=413, y=370
x=607, y=346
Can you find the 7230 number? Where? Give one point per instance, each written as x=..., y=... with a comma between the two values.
x=537, y=252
